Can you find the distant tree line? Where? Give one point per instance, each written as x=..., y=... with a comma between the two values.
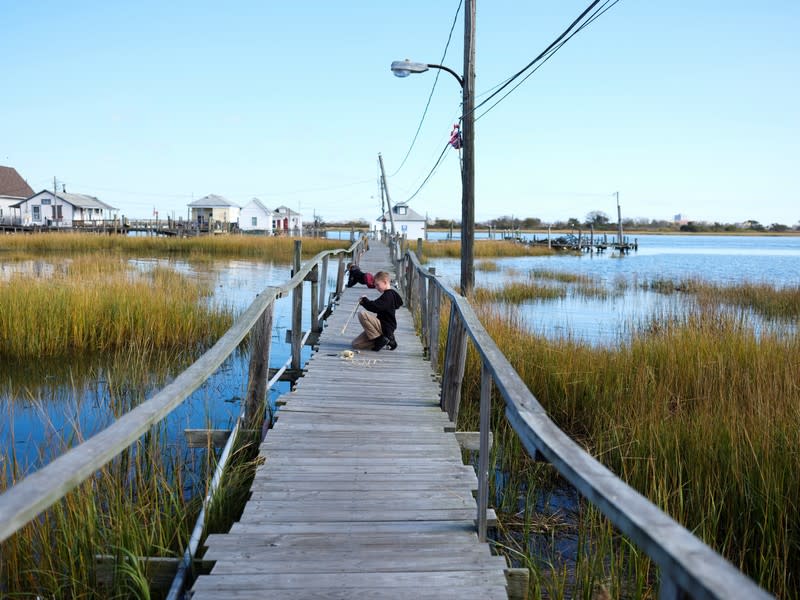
x=596, y=218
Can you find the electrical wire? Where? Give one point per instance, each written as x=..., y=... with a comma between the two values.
x=603, y=8
x=544, y=52
x=430, y=96
x=430, y=174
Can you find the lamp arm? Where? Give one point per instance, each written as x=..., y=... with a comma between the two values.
x=449, y=70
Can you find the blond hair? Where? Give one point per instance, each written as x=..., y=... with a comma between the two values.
x=383, y=276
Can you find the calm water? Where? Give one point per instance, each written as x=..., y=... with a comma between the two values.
x=719, y=259
x=34, y=423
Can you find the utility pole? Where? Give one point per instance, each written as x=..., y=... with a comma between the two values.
x=468, y=144
x=386, y=190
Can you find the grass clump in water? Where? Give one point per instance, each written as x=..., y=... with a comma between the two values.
x=483, y=249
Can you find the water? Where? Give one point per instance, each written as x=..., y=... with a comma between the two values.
x=717, y=259
x=35, y=424
x=48, y=412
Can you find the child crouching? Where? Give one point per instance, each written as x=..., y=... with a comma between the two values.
x=379, y=328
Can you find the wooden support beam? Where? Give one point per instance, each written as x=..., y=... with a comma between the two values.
x=471, y=440
x=518, y=583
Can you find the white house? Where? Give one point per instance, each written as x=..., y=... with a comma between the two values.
x=406, y=222
x=214, y=210
x=61, y=210
x=13, y=188
x=285, y=220
x=254, y=216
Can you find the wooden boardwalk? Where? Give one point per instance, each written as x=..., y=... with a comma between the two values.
x=363, y=493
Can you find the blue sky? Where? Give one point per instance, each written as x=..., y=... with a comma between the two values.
x=682, y=107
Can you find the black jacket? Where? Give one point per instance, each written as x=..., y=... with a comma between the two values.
x=383, y=307
x=356, y=275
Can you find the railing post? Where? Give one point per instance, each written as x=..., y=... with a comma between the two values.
x=669, y=590
x=454, y=363
x=323, y=281
x=258, y=373
x=422, y=289
x=316, y=301
x=434, y=312
x=483, y=452
x=297, y=310
x=340, y=276
x=419, y=250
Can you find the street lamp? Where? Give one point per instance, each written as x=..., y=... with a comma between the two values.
x=404, y=68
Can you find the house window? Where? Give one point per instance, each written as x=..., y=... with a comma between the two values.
x=254, y=221
x=37, y=213
x=45, y=201
x=401, y=210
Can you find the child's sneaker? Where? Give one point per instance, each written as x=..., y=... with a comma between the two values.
x=380, y=343
x=392, y=343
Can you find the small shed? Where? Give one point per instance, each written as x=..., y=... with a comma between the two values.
x=254, y=216
x=214, y=211
x=287, y=221
x=406, y=222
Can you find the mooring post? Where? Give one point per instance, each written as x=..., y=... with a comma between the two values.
x=297, y=310
x=323, y=281
x=316, y=301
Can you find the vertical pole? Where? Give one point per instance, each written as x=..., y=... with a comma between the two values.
x=323, y=281
x=483, y=453
x=419, y=249
x=297, y=310
x=316, y=301
x=386, y=190
x=435, y=297
x=258, y=374
x=468, y=168
x=619, y=221
x=340, y=276
x=454, y=363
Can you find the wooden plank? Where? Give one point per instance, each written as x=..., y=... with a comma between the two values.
x=475, y=592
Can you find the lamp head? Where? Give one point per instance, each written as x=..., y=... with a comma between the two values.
x=404, y=68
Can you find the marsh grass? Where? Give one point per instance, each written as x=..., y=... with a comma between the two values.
x=139, y=505
x=697, y=412
x=518, y=292
x=482, y=249
x=100, y=305
x=763, y=298
x=487, y=266
x=278, y=249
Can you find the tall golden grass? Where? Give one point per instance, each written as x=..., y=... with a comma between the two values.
x=482, y=249
x=697, y=412
x=99, y=305
x=278, y=249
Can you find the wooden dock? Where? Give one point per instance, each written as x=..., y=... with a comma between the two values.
x=363, y=492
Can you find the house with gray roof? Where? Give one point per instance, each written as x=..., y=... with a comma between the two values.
x=13, y=188
x=407, y=222
x=214, y=211
x=254, y=216
x=61, y=210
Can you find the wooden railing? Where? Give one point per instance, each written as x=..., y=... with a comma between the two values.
x=688, y=567
x=37, y=492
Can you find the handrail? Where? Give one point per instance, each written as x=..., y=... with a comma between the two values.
x=688, y=567
x=38, y=491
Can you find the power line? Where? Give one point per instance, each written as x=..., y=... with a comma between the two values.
x=550, y=52
x=430, y=173
x=544, y=52
x=430, y=96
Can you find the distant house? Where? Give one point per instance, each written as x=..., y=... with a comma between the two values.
x=61, y=210
x=285, y=220
x=406, y=222
x=13, y=188
x=214, y=211
x=254, y=216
